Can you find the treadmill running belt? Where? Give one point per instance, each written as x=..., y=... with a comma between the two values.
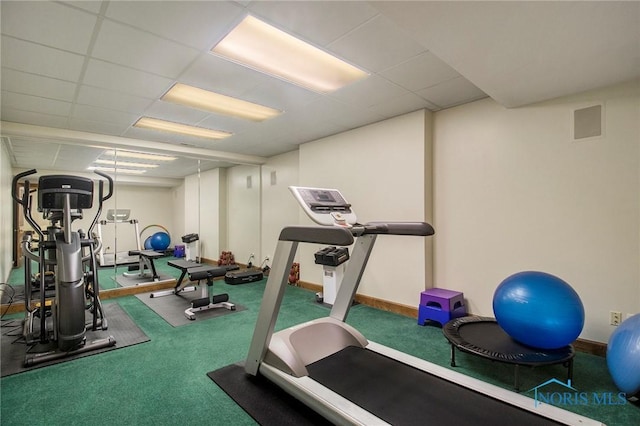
x=403, y=395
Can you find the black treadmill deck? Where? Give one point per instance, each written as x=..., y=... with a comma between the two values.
x=403, y=395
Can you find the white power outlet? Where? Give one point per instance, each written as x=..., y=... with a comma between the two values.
x=615, y=318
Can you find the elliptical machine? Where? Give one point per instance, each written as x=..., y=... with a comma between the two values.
x=68, y=255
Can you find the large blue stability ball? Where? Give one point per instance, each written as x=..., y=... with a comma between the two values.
x=147, y=243
x=539, y=310
x=623, y=356
x=160, y=241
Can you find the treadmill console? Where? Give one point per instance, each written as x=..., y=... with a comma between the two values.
x=325, y=206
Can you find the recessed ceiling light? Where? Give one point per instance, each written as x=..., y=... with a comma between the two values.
x=260, y=46
x=183, y=129
x=140, y=155
x=125, y=164
x=214, y=102
x=118, y=170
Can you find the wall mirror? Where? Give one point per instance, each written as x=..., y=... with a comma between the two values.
x=172, y=194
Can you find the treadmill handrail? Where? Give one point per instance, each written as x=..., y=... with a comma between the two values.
x=328, y=235
x=421, y=229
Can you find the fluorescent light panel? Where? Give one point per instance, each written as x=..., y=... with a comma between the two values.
x=117, y=171
x=125, y=164
x=139, y=155
x=220, y=104
x=260, y=46
x=183, y=129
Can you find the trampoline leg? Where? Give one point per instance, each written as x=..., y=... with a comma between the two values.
x=570, y=371
x=517, y=378
x=453, y=355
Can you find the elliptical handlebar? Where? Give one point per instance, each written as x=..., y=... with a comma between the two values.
x=101, y=198
x=110, y=180
x=25, y=202
x=14, y=186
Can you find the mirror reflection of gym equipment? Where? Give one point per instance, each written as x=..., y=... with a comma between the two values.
x=110, y=258
x=55, y=323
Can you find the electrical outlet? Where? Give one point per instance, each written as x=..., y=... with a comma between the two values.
x=615, y=318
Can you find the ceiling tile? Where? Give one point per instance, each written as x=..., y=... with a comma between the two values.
x=99, y=127
x=228, y=124
x=453, y=92
x=317, y=22
x=420, y=72
x=368, y=92
x=40, y=22
x=90, y=6
x=198, y=24
x=95, y=96
x=125, y=80
x=37, y=59
x=133, y=48
x=150, y=135
x=34, y=104
x=34, y=118
x=37, y=85
x=279, y=94
x=82, y=156
x=376, y=45
x=211, y=72
x=93, y=113
x=406, y=103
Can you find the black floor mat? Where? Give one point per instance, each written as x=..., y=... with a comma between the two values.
x=262, y=400
x=171, y=308
x=121, y=327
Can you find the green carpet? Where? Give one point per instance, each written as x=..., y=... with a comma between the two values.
x=164, y=381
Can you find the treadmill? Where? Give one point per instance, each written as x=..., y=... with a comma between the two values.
x=332, y=368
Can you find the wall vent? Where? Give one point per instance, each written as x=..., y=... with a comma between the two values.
x=588, y=122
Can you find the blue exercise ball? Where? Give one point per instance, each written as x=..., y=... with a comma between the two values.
x=147, y=243
x=623, y=356
x=160, y=241
x=539, y=310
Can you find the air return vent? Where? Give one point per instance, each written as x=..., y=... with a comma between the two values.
x=588, y=122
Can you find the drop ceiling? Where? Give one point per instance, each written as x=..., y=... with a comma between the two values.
x=77, y=75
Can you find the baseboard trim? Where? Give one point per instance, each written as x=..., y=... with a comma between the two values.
x=580, y=345
x=104, y=295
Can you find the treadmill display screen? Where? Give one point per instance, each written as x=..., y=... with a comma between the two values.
x=323, y=196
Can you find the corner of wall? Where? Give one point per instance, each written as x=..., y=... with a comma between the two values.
x=428, y=198
x=223, y=237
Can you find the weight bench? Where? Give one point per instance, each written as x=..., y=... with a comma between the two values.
x=145, y=265
x=207, y=300
x=185, y=266
x=198, y=272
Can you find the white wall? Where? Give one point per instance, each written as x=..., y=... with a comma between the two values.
x=243, y=213
x=513, y=192
x=180, y=211
x=380, y=169
x=279, y=208
x=6, y=214
x=212, y=222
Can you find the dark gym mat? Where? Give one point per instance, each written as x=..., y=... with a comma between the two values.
x=171, y=308
x=121, y=327
x=262, y=400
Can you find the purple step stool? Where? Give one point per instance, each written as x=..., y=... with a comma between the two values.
x=440, y=305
